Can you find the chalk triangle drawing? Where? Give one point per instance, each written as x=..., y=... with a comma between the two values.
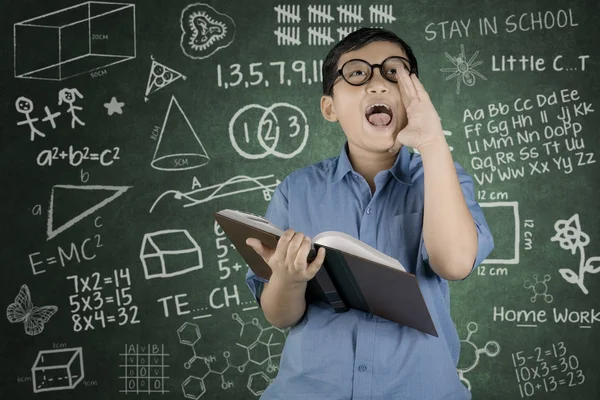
x=160, y=76
x=78, y=193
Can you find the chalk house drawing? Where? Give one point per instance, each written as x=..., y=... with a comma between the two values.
x=205, y=31
x=463, y=70
x=23, y=310
x=74, y=40
x=170, y=252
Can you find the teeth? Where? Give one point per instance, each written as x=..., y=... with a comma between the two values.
x=374, y=105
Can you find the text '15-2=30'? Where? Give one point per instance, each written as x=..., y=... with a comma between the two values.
x=265, y=74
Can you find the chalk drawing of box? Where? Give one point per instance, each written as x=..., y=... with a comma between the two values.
x=59, y=369
x=74, y=40
x=170, y=252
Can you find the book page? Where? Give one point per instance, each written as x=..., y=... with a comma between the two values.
x=253, y=220
x=351, y=245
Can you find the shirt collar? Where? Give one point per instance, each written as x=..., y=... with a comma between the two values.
x=400, y=170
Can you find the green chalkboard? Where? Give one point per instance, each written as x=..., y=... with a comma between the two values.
x=126, y=124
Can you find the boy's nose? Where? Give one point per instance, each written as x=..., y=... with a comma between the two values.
x=377, y=84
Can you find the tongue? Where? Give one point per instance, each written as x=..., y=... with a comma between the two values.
x=379, y=119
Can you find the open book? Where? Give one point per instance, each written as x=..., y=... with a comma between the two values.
x=354, y=274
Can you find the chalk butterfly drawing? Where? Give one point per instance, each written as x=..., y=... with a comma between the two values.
x=23, y=310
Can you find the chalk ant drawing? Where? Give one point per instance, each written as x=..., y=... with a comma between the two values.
x=242, y=182
x=114, y=106
x=159, y=77
x=464, y=70
x=170, y=252
x=59, y=369
x=74, y=40
x=491, y=349
x=173, y=147
x=23, y=310
x=280, y=124
x=69, y=96
x=570, y=237
x=74, y=192
x=205, y=31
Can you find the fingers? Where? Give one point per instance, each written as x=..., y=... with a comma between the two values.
x=408, y=92
x=316, y=264
x=265, y=252
x=420, y=89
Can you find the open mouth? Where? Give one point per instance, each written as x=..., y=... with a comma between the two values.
x=379, y=114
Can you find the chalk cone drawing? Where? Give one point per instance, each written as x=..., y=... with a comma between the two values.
x=78, y=194
x=173, y=148
x=570, y=237
x=169, y=253
x=23, y=310
x=74, y=40
x=463, y=70
x=240, y=183
x=205, y=31
x=491, y=349
x=60, y=369
x=160, y=76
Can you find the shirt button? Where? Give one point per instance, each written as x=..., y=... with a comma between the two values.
x=369, y=211
x=369, y=316
x=362, y=367
x=354, y=176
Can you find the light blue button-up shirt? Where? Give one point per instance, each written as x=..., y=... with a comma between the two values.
x=354, y=355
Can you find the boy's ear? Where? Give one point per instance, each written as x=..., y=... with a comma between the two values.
x=327, y=109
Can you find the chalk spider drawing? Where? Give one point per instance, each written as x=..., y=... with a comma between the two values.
x=465, y=70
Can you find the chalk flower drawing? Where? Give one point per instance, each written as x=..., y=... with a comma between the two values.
x=570, y=237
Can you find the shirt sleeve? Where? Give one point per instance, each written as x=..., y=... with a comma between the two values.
x=485, y=242
x=277, y=213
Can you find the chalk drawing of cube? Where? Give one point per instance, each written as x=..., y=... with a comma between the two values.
x=74, y=40
x=504, y=222
x=57, y=369
x=169, y=253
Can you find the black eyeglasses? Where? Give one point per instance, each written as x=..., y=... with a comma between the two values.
x=358, y=72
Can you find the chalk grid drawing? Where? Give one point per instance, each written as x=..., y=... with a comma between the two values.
x=74, y=40
x=159, y=77
x=259, y=346
x=254, y=124
x=204, y=31
x=172, y=151
x=491, y=349
x=240, y=184
x=74, y=192
x=540, y=288
x=324, y=16
x=23, y=310
x=60, y=369
x=570, y=237
x=511, y=208
x=170, y=252
x=144, y=369
x=463, y=70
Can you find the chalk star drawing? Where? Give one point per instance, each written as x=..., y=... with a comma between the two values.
x=464, y=69
x=23, y=310
x=570, y=237
x=52, y=231
x=219, y=190
x=160, y=76
x=114, y=106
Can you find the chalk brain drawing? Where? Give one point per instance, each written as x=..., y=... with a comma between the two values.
x=205, y=31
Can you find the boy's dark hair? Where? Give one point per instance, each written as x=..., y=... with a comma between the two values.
x=355, y=41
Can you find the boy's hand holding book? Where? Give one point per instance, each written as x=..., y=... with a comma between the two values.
x=289, y=261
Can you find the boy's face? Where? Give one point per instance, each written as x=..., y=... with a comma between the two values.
x=352, y=105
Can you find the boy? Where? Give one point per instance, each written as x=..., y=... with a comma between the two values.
x=419, y=209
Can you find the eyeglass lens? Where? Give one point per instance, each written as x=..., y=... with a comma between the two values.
x=357, y=72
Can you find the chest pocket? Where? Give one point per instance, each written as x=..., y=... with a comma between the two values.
x=404, y=232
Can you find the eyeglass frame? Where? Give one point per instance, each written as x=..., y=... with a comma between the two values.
x=380, y=66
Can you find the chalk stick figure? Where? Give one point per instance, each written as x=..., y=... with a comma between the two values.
x=69, y=96
x=25, y=107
